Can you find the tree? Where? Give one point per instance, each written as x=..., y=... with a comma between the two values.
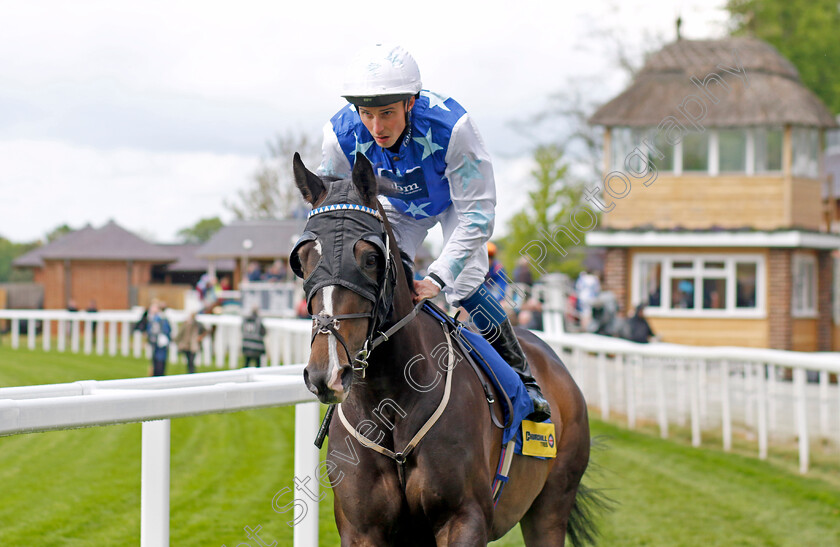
x=272, y=192
x=549, y=208
x=58, y=232
x=804, y=31
x=10, y=251
x=201, y=231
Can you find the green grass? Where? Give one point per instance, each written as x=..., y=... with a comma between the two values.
x=82, y=487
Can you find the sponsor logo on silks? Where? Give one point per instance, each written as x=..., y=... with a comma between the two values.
x=411, y=185
x=538, y=439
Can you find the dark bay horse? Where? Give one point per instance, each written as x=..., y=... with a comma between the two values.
x=440, y=493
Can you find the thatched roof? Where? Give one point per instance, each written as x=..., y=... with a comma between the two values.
x=774, y=95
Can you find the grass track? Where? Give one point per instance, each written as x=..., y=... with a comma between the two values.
x=82, y=488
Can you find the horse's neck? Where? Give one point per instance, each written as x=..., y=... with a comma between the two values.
x=398, y=374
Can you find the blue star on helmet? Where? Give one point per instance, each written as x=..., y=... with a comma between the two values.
x=435, y=100
x=417, y=211
x=360, y=147
x=429, y=147
x=469, y=170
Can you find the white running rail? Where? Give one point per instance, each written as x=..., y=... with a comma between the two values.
x=154, y=401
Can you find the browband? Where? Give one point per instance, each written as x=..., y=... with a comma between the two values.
x=344, y=207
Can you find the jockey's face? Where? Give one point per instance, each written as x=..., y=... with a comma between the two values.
x=385, y=123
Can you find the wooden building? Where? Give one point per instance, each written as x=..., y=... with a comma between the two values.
x=713, y=203
x=114, y=268
x=260, y=241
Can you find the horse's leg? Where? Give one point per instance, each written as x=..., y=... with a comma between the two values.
x=351, y=537
x=544, y=525
x=466, y=528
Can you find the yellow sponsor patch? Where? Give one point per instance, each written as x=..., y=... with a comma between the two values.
x=538, y=439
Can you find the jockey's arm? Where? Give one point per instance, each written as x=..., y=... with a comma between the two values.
x=472, y=189
x=333, y=161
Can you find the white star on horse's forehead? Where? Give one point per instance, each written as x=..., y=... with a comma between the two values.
x=429, y=147
x=435, y=100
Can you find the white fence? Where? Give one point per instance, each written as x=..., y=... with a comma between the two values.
x=287, y=340
x=154, y=401
x=770, y=394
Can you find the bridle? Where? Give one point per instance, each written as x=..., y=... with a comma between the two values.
x=324, y=323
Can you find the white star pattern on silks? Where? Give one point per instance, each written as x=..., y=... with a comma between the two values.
x=416, y=211
x=360, y=147
x=469, y=170
x=329, y=168
x=429, y=147
x=435, y=100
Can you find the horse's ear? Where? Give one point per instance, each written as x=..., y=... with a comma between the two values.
x=364, y=179
x=309, y=184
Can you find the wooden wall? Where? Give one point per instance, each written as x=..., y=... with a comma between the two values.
x=711, y=332
x=727, y=201
x=804, y=335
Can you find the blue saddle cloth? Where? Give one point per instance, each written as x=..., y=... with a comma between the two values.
x=508, y=380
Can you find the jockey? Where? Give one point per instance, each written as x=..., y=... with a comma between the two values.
x=429, y=147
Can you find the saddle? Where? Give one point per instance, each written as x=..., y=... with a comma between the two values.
x=520, y=436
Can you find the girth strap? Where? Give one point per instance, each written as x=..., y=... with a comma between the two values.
x=400, y=457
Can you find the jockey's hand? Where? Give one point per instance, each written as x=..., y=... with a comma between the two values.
x=424, y=289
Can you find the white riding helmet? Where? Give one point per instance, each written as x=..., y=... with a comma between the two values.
x=381, y=75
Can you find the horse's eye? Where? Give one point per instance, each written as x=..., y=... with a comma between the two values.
x=370, y=260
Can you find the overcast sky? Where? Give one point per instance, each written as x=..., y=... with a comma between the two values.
x=153, y=113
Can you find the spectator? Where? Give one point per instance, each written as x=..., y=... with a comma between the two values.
x=72, y=307
x=531, y=316
x=189, y=339
x=211, y=294
x=253, y=334
x=588, y=287
x=522, y=277
x=254, y=272
x=158, y=332
x=225, y=284
x=302, y=310
x=638, y=329
x=276, y=273
x=92, y=309
x=496, y=279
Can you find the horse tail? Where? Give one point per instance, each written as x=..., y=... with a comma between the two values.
x=590, y=504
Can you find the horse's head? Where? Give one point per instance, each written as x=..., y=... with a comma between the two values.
x=345, y=258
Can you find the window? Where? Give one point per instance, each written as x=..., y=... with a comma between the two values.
x=695, y=147
x=804, y=295
x=650, y=283
x=665, y=148
x=732, y=144
x=621, y=145
x=700, y=285
x=768, y=149
x=805, y=152
x=746, y=275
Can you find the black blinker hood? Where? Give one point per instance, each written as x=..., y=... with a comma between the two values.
x=337, y=225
